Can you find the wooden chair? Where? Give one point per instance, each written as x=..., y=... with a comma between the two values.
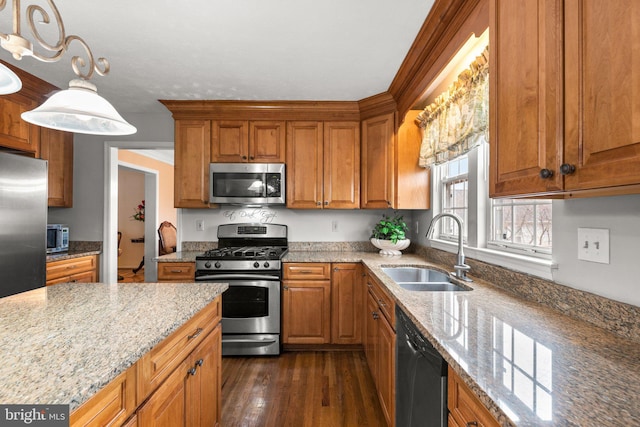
x=168, y=238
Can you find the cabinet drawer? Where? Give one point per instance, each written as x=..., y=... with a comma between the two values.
x=84, y=277
x=464, y=406
x=176, y=271
x=307, y=271
x=161, y=360
x=110, y=406
x=69, y=267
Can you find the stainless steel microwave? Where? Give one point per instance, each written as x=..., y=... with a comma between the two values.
x=57, y=238
x=248, y=184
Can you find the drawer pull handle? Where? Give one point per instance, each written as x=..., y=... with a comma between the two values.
x=382, y=303
x=472, y=424
x=305, y=272
x=176, y=271
x=71, y=267
x=375, y=315
x=195, y=334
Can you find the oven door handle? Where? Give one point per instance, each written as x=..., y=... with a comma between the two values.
x=248, y=341
x=219, y=277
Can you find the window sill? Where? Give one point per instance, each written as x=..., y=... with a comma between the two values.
x=530, y=265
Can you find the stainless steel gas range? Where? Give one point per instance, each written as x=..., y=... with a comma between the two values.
x=249, y=259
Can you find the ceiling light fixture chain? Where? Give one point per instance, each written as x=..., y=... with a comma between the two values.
x=19, y=46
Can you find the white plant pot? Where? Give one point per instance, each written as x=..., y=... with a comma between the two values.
x=387, y=247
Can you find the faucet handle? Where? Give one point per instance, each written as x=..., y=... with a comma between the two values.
x=460, y=271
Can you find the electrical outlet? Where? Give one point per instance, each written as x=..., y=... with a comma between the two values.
x=199, y=224
x=334, y=226
x=593, y=245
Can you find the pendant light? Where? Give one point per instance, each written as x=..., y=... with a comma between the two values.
x=78, y=109
x=9, y=81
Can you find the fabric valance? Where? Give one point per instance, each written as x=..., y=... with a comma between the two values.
x=458, y=120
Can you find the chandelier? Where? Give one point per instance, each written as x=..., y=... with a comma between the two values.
x=78, y=109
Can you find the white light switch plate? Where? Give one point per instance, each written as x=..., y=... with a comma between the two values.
x=593, y=245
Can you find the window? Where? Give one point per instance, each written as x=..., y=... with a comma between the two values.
x=455, y=188
x=512, y=225
x=521, y=225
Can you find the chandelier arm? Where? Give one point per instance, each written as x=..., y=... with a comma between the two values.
x=59, y=47
x=78, y=63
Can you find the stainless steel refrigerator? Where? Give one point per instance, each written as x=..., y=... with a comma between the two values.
x=23, y=223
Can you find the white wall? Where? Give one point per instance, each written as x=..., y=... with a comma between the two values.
x=619, y=280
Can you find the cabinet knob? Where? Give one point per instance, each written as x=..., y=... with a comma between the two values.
x=244, y=157
x=192, y=371
x=199, y=362
x=546, y=173
x=374, y=314
x=326, y=202
x=472, y=424
x=319, y=203
x=286, y=288
x=567, y=169
x=252, y=157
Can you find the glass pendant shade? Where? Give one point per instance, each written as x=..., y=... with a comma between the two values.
x=79, y=109
x=9, y=81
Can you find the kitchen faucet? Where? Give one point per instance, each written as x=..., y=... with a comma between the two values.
x=460, y=269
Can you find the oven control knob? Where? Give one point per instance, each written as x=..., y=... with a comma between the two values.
x=207, y=264
x=217, y=264
x=256, y=264
x=266, y=265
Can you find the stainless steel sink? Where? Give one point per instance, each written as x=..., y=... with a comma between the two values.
x=422, y=279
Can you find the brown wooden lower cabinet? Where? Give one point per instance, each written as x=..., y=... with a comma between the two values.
x=177, y=383
x=81, y=270
x=464, y=407
x=380, y=346
x=346, y=303
x=190, y=396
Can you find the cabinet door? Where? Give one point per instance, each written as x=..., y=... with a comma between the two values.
x=304, y=165
x=346, y=303
x=602, y=106
x=57, y=148
x=204, y=382
x=412, y=189
x=14, y=132
x=372, y=316
x=386, y=369
x=341, y=165
x=229, y=141
x=306, y=312
x=525, y=96
x=192, y=154
x=167, y=407
x=267, y=142
x=377, y=162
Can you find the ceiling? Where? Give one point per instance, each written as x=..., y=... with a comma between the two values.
x=233, y=49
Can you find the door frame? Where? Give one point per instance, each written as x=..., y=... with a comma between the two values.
x=109, y=268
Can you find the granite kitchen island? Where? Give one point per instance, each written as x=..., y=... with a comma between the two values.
x=64, y=343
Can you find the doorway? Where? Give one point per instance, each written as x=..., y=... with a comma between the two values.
x=109, y=268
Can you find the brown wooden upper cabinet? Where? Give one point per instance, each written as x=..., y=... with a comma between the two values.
x=15, y=133
x=323, y=165
x=191, y=172
x=391, y=176
x=565, y=110
x=57, y=148
x=240, y=141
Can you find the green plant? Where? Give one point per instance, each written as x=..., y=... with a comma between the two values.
x=388, y=228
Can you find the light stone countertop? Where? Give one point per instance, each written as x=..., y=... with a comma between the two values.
x=530, y=365
x=70, y=255
x=63, y=343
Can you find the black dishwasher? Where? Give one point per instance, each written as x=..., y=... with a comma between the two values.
x=421, y=378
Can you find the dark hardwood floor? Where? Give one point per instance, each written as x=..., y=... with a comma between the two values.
x=311, y=388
